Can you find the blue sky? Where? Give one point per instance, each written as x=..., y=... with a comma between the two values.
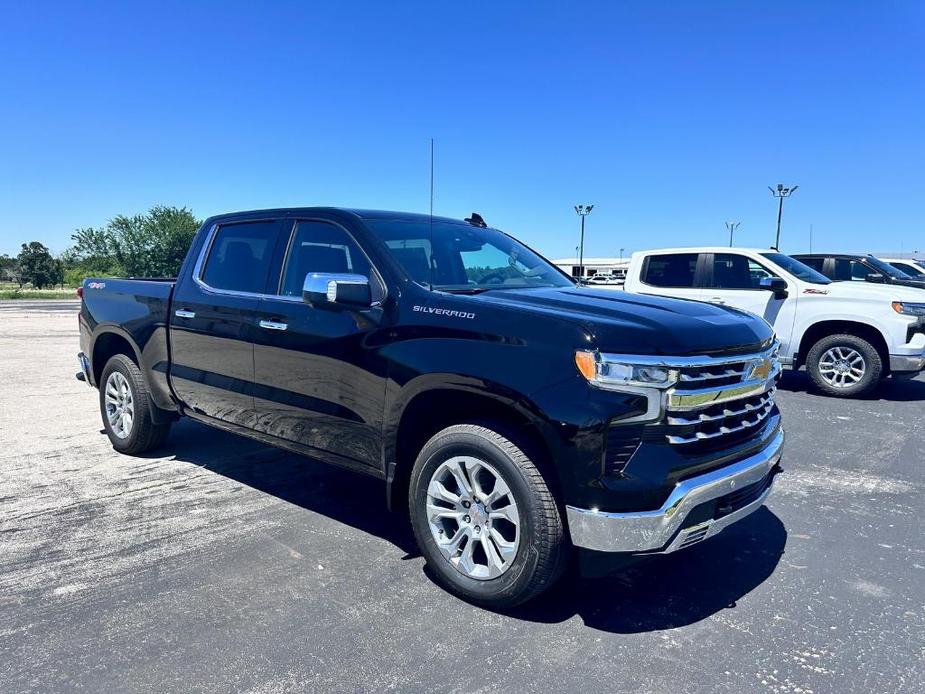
x=670, y=117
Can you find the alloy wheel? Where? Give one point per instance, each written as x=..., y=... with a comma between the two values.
x=842, y=367
x=473, y=517
x=120, y=406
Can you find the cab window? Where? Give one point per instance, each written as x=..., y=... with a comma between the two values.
x=850, y=270
x=671, y=270
x=239, y=258
x=321, y=247
x=732, y=271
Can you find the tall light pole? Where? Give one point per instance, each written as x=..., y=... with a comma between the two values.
x=583, y=211
x=781, y=193
x=731, y=227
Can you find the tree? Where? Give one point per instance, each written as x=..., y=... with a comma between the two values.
x=10, y=270
x=38, y=266
x=152, y=244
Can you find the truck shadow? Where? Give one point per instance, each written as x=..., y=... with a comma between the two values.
x=673, y=590
x=898, y=390
x=661, y=593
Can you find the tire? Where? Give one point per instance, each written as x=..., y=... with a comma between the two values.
x=828, y=358
x=122, y=383
x=540, y=547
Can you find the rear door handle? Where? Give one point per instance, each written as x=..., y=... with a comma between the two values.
x=272, y=325
x=717, y=300
x=183, y=313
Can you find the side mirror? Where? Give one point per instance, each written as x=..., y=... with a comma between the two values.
x=777, y=285
x=875, y=277
x=336, y=291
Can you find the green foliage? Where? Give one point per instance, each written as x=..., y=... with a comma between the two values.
x=152, y=244
x=10, y=270
x=38, y=267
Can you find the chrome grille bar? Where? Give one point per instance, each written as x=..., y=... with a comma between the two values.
x=743, y=424
x=726, y=413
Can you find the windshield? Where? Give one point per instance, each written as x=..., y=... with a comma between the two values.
x=886, y=269
x=797, y=269
x=464, y=258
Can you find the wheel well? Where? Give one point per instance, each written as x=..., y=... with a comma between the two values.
x=435, y=410
x=836, y=327
x=106, y=346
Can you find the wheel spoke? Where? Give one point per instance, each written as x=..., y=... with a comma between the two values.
x=508, y=513
x=466, y=559
x=438, y=491
x=459, y=474
x=495, y=562
x=499, y=492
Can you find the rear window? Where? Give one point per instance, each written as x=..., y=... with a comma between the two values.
x=239, y=258
x=670, y=270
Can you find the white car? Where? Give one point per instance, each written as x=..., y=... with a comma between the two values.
x=849, y=337
x=913, y=268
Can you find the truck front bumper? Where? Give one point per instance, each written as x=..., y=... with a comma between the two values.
x=901, y=363
x=697, y=508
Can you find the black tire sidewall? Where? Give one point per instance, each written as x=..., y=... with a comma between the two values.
x=874, y=364
x=504, y=588
x=127, y=368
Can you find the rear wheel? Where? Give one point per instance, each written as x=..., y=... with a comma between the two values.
x=484, y=517
x=127, y=409
x=844, y=365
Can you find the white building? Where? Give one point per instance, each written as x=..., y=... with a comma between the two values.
x=594, y=266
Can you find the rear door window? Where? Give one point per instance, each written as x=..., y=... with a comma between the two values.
x=817, y=264
x=850, y=270
x=239, y=258
x=671, y=270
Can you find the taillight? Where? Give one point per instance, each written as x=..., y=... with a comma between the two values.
x=80, y=292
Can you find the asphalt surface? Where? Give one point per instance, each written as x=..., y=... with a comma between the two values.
x=218, y=564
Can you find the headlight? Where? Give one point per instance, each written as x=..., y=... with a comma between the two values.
x=907, y=309
x=608, y=373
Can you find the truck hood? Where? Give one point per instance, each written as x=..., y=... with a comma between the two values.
x=618, y=321
x=869, y=291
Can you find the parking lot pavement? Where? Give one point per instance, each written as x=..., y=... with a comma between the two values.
x=220, y=564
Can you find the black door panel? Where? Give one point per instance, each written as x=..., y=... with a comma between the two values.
x=214, y=321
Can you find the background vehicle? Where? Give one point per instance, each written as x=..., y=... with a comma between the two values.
x=859, y=268
x=848, y=337
x=514, y=414
x=914, y=268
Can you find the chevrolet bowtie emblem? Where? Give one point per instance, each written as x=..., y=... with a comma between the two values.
x=761, y=369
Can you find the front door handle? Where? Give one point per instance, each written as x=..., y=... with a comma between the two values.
x=717, y=300
x=183, y=313
x=272, y=325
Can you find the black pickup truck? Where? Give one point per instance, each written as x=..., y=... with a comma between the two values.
x=516, y=416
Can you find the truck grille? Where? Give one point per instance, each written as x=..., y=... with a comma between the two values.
x=719, y=400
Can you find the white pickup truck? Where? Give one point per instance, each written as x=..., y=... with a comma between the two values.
x=849, y=337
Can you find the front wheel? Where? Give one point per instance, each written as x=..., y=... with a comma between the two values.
x=484, y=517
x=844, y=365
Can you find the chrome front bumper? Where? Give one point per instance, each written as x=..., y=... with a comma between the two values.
x=905, y=364
x=648, y=531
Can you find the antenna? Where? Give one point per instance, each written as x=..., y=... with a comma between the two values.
x=431, y=263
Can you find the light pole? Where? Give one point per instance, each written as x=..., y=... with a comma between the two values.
x=731, y=227
x=781, y=193
x=583, y=211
